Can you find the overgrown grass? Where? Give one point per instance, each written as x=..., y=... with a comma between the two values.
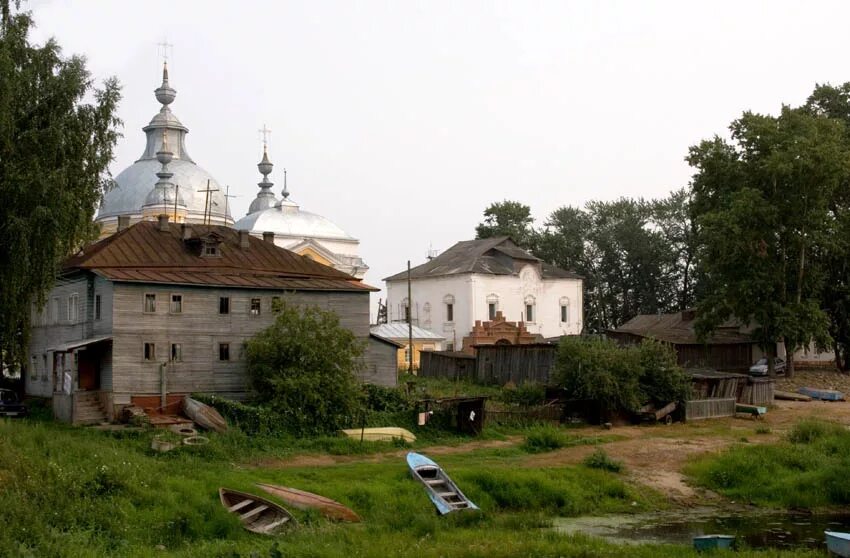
x=546, y=437
x=602, y=461
x=807, y=470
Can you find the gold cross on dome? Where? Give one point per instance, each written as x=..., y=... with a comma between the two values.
x=163, y=49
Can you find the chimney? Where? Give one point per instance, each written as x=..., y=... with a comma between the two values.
x=244, y=241
x=185, y=231
x=123, y=222
x=163, y=222
x=268, y=236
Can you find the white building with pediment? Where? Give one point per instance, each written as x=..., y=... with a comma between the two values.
x=474, y=280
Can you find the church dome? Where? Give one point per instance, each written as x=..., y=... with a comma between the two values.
x=134, y=184
x=289, y=220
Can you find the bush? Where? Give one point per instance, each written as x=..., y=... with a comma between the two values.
x=251, y=419
x=810, y=431
x=525, y=395
x=600, y=460
x=303, y=366
x=544, y=438
x=620, y=378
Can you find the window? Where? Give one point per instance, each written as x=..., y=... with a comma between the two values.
x=73, y=307
x=150, y=303
x=450, y=346
x=529, y=312
x=224, y=351
x=491, y=310
x=224, y=305
x=210, y=249
x=565, y=314
x=255, y=306
x=450, y=312
x=34, y=368
x=97, y=307
x=176, y=352
x=276, y=305
x=54, y=310
x=150, y=352
x=176, y=304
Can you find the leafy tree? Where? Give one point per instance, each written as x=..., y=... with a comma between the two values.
x=672, y=218
x=54, y=153
x=508, y=218
x=304, y=366
x=661, y=379
x=761, y=204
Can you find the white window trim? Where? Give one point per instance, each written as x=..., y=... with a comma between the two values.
x=73, y=310
x=151, y=343
x=171, y=303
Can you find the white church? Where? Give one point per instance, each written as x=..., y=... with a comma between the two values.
x=166, y=180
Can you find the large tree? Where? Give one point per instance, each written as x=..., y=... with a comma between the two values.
x=761, y=203
x=57, y=133
x=508, y=218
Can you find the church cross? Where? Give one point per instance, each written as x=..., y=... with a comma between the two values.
x=163, y=49
x=265, y=132
x=227, y=196
x=207, y=209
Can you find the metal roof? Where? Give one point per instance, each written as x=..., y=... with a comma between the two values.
x=398, y=330
x=490, y=256
x=144, y=254
x=674, y=328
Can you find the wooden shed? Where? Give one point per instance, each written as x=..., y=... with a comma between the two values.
x=518, y=364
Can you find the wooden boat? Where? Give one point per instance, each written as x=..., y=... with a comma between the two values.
x=441, y=489
x=790, y=396
x=822, y=394
x=711, y=542
x=304, y=500
x=256, y=513
x=204, y=415
x=838, y=543
x=386, y=434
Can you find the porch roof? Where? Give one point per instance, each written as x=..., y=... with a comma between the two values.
x=79, y=343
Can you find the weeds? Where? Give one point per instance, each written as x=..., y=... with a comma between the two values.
x=601, y=460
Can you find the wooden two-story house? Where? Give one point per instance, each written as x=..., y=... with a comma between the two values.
x=162, y=309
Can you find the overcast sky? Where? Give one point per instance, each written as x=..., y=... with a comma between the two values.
x=401, y=121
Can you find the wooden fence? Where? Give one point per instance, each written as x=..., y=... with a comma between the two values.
x=519, y=364
x=447, y=364
x=709, y=408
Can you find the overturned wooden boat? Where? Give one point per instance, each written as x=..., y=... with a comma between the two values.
x=445, y=494
x=713, y=542
x=256, y=513
x=838, y=543
x=204, y=415
x=790, y=396
x=385, y=434
x=822, y=394
x=304, y=500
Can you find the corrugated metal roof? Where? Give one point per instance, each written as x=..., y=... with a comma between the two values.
x=490, y=256
x=673, y=328
x=398, y=330
x=143, y=253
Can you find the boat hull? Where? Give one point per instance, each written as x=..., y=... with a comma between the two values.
x=386, y=434
x=304, y=500
x=204, y=415
x=711, y=542
x=442, y=491
x=256, y=513
x=822, y=394
x=838, y=543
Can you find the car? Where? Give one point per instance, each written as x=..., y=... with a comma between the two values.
x=11, y=405
x=760, y=367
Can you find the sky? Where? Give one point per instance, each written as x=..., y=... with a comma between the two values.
x=402, y=121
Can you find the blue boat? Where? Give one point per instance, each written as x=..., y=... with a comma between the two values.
x=445, y=494
x=712, y=542
x=822, y=394
x=838, y=543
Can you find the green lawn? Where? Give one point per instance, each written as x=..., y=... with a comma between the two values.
x=79, y=492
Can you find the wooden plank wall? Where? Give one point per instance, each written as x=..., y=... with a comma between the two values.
x=758, y=391
x=519, y=364
x=440, y=364
x=380, y=363
x=709, y=408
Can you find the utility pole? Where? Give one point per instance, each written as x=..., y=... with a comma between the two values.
x=409, y=322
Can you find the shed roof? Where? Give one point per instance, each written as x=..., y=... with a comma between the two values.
x=678, y=328
x=385, y=340
x=398, y=330
x=143, y=253
x=489, y=256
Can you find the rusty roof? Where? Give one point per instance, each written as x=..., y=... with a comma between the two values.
x=679, y=329
x=143, y=253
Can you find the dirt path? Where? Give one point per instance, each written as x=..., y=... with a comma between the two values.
x=653, y=455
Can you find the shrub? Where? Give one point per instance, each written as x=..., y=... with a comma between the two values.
x=525, y=395
x=252, y=419
x=601, y=460
x=661, y=379
x=304, y=366
x=544, y=438
x=810, y=431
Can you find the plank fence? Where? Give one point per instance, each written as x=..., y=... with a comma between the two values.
x=698, y=409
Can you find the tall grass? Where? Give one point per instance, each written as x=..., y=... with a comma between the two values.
x=809, y=469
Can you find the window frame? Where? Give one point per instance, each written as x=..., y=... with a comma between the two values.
x=491, y=311
x=175, y=356
x=171, y=301
x=145, y=303
x=148, y=355
x=98, y=307
x=259, y=308
x=450, y=312
x=224, y=351
x=73, y=310
x=224, y=301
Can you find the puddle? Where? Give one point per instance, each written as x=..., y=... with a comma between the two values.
x=757, y=530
